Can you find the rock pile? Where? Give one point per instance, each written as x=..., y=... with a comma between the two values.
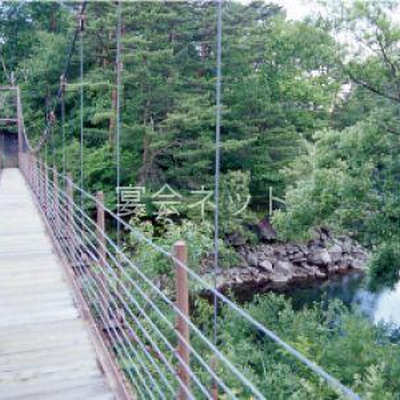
x=280, y=266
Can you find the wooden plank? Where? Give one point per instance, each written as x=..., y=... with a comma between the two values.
x=60, y=328
x=51, y=383
x=26, y=308
x=34, y=344
x=59, y=355
x=21, y=282
x=77, y=389
x=39, y=298
x=39, y=317
x=23, y=344
x=26, y=261
x=32, y=290
x=94, y=391
x=43, y=370
x=22, y=275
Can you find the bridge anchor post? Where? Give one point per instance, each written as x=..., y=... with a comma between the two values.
x=56, y=204
x=43, y=191
x=182, y=302
x=69, y=228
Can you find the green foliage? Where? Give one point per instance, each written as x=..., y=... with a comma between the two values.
x=197, y=236
x=271, y=96
x=235, y=212
x=345, y=184
x=384, y=267
x=20, y=29
x=345, y=344
x=348, y=179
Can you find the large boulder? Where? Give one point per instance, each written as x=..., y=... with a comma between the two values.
x=283, y=268
x=266, y=266
x=320, y=257
x=335, y=252
x=252, y=259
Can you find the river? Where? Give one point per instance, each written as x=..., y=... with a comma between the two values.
x=381, y=306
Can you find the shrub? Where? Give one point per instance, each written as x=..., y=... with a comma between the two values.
x=384, y=266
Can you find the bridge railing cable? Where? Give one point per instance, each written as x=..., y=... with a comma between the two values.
x=135, y=311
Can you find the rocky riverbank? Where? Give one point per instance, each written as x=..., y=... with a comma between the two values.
x=279, y=266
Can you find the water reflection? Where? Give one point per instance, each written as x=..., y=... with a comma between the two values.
x=381, y=306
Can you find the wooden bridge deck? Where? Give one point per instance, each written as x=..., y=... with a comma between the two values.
x=46, y=348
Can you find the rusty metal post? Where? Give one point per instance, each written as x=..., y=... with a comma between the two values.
x=69, y=189
x=46, y=190
x=31, y=172
x=38, y=182
x=182, y=302
x=21, y=164
x=20, y=126
x=69, y=226
x=101, y=228
x=214, y=385
x=56, y=205
x=35, y=174
x=42, y=184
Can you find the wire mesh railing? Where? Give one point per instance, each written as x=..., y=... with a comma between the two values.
x=163, y=352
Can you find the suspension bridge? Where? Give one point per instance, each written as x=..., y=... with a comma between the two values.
x=80, y=318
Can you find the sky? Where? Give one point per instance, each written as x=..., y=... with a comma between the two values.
x=298, y=9
x=295, y=9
